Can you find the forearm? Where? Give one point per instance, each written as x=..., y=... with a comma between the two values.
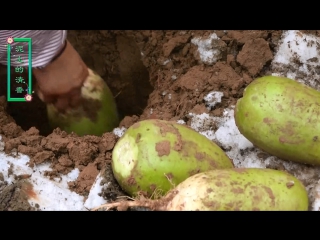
x=46, y=44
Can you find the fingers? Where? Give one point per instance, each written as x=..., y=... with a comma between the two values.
x=75, y=98
x=69, y=100
x=62, y=102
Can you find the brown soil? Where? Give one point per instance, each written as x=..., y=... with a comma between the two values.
x=152, y=74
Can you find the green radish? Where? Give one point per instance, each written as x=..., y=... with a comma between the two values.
x=233, y=189
x=154, y=155
x=281, y=117
x=241, y=189
x=96, y=115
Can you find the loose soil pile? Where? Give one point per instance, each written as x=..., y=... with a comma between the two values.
x=152, y=74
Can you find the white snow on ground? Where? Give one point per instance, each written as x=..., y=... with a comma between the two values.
x=119, y=131
x=94, y=200
x=52, y=194
x=212, y=99
x=55, y=195
x=298, y=57
x=208, y=48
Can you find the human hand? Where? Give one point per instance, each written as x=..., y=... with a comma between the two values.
x=61, y=80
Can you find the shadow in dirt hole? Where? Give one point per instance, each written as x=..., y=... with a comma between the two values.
x=26, y=114
x=125, y=75
x=128, y=81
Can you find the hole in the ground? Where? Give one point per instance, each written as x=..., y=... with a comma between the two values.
x=124, y=73
x=128, y=78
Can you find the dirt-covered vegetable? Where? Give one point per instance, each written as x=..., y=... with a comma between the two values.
x=96, y=115
x=240, y=189
x=250, y=189
x=157, y=155
x=281, y=117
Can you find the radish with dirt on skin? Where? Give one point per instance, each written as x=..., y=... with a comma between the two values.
x=96, y=115
x=281, y=116
x=233, y=189
x=155, y=155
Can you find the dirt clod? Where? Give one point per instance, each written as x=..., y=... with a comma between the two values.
x=254, y=55
x=15, y=197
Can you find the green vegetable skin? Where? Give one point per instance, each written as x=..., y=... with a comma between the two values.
x=281, y=117
x=96, y=115
x=156, y=154
x=240, y=189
